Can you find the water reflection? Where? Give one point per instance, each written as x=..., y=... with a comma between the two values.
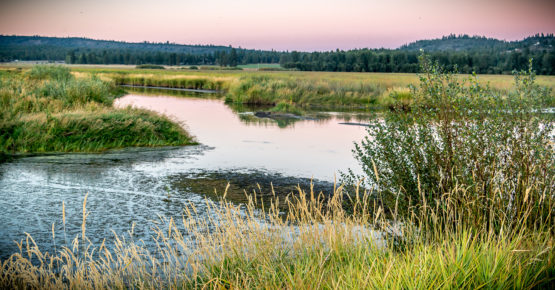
x=307, y=148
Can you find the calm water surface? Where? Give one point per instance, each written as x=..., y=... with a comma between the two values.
x=306, y=148
x=132, y=185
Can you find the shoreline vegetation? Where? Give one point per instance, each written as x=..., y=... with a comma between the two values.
x=48, y=109
x=300, y=90
x=339, y=242
x=457, y=193
x=289, y=92
x=292, y=91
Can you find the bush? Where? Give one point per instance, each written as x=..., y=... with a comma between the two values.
x=464, y=149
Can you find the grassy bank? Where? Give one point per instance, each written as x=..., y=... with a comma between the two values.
x=47, y=109
x=179, y=82
x=300, y=89
x=317, y=244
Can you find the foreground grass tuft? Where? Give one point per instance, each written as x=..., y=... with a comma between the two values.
x=316, y=243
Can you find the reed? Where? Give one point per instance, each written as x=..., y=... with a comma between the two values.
x=301, y=89
x=315, y=243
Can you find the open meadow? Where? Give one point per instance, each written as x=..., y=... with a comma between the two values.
x=324, y=90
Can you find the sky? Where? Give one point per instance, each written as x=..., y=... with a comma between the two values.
x=305, y=25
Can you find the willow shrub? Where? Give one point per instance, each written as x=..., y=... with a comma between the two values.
x=484, y=159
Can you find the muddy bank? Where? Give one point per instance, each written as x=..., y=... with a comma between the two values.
x=266, y=186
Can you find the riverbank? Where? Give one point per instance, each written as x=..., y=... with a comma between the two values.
x=291, y=90
x=284, y=89
x=47, y=109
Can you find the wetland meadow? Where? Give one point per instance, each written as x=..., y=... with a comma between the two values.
x=124, y=177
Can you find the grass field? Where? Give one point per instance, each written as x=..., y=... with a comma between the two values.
x=326, y=90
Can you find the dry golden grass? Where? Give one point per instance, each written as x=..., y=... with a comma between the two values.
x=315, y=244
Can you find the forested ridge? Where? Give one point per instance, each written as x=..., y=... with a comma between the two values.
x=467, y=53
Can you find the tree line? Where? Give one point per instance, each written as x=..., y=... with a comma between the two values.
x=366, y=60
x=466, y=54
x=232, y=57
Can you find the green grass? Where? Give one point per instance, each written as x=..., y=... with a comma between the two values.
x=325, y=90
x=85, y=131
x=47, y=109
x=316, y=244
x=171, y=82
x=460, y=262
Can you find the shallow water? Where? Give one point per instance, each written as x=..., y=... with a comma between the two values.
x=307, y=148
x=132, y=185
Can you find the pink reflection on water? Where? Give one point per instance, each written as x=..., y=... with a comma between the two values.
x=305, y=149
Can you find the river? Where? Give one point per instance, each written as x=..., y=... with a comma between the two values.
x=139, y=185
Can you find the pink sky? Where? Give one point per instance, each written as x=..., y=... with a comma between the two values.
x=281, y=25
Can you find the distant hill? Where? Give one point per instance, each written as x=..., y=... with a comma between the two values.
x=92, y=51
x=473, y=43
x=93, y=44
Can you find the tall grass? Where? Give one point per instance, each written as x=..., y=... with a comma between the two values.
x=301, y=89
x=47, y=109
x=266, y=89
x=171, y=82
x=86, y=131
x=316, y=243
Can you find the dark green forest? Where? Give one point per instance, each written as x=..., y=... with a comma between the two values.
x=467, y=53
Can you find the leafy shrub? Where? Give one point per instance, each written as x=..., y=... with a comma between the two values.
x=464, y=146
